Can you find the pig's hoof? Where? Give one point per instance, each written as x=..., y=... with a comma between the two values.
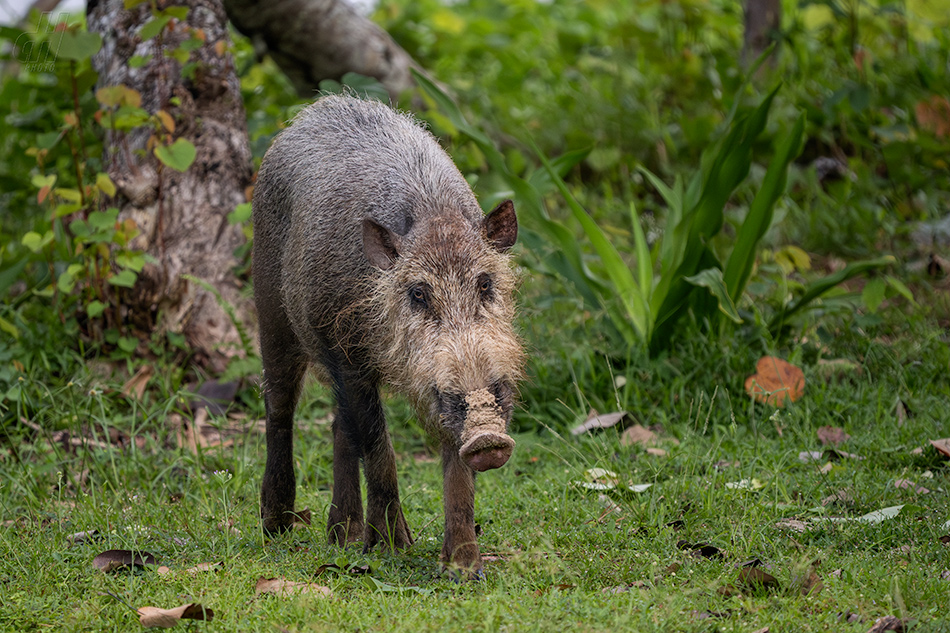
x=487, y=451
x=460, y=574
x=277, y=523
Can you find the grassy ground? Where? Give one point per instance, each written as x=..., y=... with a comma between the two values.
x=559, y=555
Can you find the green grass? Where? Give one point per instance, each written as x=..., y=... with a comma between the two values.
x=559, y=557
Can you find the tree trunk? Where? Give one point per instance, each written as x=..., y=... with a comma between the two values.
x=763, y=20
x=313, y=40
x=181, y=216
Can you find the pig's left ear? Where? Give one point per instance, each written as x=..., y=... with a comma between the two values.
x=380, y=245
x=501, y=226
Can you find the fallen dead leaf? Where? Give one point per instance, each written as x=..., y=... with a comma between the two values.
x=832, y=435
x=775, y=381
x=700, y=550
x=118, y=559
x=153, y=617
x=792, y=524
x=135, y=386
x=887, y=623
x=757, y=578
x=287, y=588
x=656, y=452
x=302, y=518
x=596, y=421
x=933, y=115
x=906, y=484
x=82, y=537
x=840, y=498
x=945, y=539
x=942, y=446
x=638, y=434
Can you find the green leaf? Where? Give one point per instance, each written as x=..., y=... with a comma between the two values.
x=823, y=285
x=95, y=308
x=128, y=344
x=103, y=220
x=105, y=184
x=179, y=155
x=712, y=280
x=36, y=242
x=901, y=289
x=9, y=328
x=154, y=26
x=241, y=214
x=78, y=45
x=757, y=221
x=178, y=12
x=873, y=293
x=133, y=261
x=624, y=283
x=125, y=278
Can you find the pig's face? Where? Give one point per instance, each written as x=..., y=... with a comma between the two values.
x=448, y=307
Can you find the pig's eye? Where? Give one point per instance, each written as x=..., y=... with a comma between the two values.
x=485, y=287
x=419, y=296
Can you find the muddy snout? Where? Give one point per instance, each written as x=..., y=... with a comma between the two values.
x=484, y=439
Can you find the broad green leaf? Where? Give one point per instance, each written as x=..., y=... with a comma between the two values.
x=823, y=285
x=179, y=155
x=873, y=293
x=132, y=261
x=95, y=309
x=36, y=242
x=125, y=278
x=79, y=45
x=711, y=279
x=154, y=26
x=644, y=260
x=105, y=184
x=43, y=181
x=9, y=328
x=757, y=221
x=901, y=289
x=241, y=214
x=618, y=272
x=100, y=220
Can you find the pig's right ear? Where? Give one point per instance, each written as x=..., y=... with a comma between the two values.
x=380, y=245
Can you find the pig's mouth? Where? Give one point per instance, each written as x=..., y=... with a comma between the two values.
x=480, y=420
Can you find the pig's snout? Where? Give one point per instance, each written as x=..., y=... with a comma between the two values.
x=485, y=444
x=486, y=451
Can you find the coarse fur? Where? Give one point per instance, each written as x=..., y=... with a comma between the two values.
x=374, y=262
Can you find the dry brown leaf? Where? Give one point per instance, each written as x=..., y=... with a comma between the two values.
x=637, y=434
x=656, y=452
x=135, y=386
x=792, y=524
x=153, y=617
x=942, y=446
x=117, y=559
x=907, y=484
x=775, y=381
x=832, y=435
x=757, y=578
x=887, y=623
x=302, y=518
x=596, y=421
x=933, y=115
x=840, y=498
x=286, y=588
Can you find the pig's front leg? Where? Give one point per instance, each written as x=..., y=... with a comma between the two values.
x=459, y=546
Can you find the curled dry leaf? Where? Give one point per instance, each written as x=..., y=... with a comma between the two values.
x=942, y=446
x=638, y=434
x=775, y=381
x=887, y=623
x=118, y=559
x=287, y=588
x=792, y=524
x=832, y=435
x=134, y=387
x=82, y=537
x=756, y=578
x=906, y=484
x=153, y=617
x=596, y=421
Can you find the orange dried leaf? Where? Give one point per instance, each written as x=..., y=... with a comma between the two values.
x=775, y=382
x=153, y=617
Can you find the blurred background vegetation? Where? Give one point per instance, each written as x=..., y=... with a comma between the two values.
x=684, y=210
